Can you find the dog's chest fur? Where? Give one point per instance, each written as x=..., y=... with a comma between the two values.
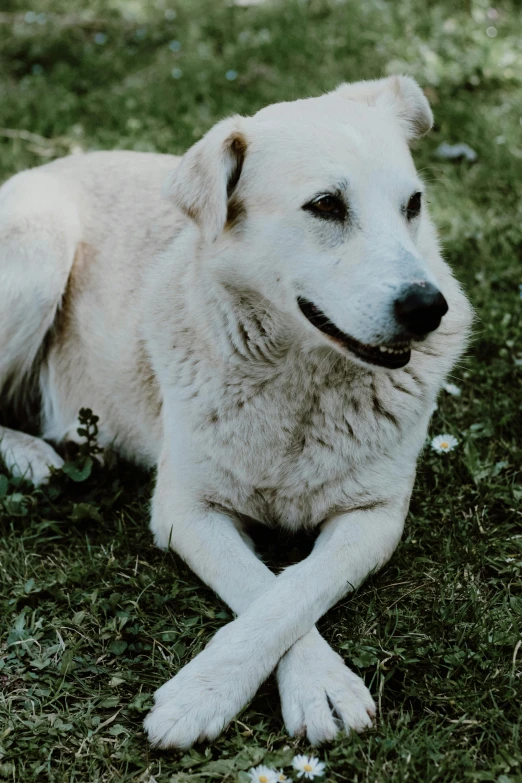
x=292, y=441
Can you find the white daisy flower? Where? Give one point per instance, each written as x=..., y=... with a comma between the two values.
x=452, y=389
x=263, y=774
x=281, y=777
x=308, y=767
x=444, y=443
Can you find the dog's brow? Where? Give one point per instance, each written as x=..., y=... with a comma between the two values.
x=341, y=188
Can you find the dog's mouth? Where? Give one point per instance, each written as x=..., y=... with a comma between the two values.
x=392, y=355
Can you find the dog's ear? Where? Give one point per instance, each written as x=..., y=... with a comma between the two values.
x=399, y=94
x=207, y=175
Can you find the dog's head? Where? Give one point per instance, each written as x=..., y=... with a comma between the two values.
x=316, y=206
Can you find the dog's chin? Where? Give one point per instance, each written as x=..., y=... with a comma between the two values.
x=392, y=356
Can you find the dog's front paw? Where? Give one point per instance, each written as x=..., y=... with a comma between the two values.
x=319, y=694
x=198, y=702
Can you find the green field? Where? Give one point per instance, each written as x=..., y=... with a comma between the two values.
x=93, y=618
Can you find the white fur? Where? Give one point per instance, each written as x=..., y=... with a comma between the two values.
x=180, y=328
x=39, y=231
x=28, y=457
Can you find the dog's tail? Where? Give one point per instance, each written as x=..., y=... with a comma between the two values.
x=39, y=233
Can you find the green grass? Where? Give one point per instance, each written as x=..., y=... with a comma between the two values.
x=93, y=617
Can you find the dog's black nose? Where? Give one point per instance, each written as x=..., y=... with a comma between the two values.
x=420, y=308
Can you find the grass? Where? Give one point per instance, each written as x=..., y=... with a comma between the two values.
x=93, y=617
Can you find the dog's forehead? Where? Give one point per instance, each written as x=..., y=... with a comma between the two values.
x=330, y=103
x=326, y=136
x=329, y=114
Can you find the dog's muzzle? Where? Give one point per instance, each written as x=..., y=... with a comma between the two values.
x=418, y=310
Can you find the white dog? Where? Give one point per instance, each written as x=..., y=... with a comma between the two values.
x=267, y=334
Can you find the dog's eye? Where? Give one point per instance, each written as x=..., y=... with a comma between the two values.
x=327, y=206
x=414, y=206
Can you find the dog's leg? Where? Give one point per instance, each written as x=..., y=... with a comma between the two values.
x=39, y=231
x=275, y=613
x=310, y=671
x=26, y=456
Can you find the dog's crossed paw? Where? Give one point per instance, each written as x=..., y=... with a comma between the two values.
x=198, y=703
x=320, y=695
